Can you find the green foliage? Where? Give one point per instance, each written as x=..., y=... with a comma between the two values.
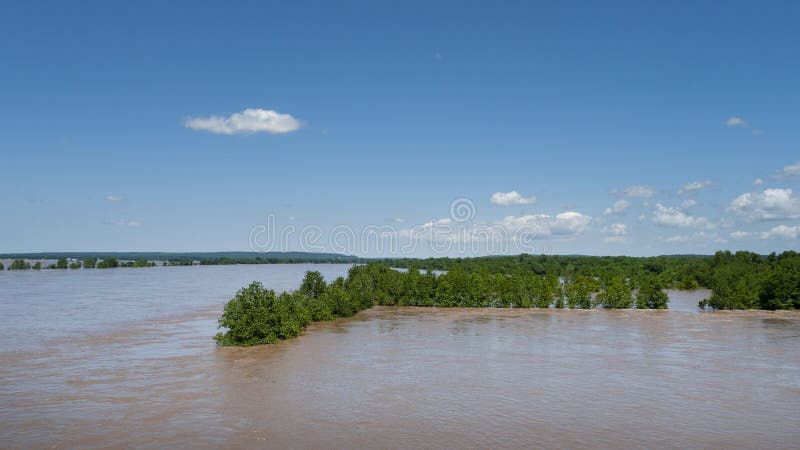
x=89, y=263
x=107, y=263
x=61, y=264
x=651, y=295
x=37, y=265
x=746, y=280
x=19, y=264
x=578, y=292
x=313, y=285
x=75, y=265
x=2, y=266
x=256, y=316
x=616, y=294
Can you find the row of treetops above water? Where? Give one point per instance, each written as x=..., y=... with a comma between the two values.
x=741, y=280
x=257, y=315
x=63, y=263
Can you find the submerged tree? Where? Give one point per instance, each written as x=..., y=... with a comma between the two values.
x=616, y=294
x=256, y=316
x=651, y=295
x=19, y=264
x=578, y=292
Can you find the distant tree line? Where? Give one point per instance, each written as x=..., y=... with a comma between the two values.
x=90, y=263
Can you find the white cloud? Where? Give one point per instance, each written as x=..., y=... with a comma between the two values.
x=616, y=229
x=757, y=132
x=511, y=198
x=569, y=223
x=688, y=203
x=791, y=171
x=638, y=191
x=758, y=182
x=777, y=232
x=617, y=208
x=771, y=204
x=782, y=231
x=114, y=198
x=508, y=229
x=736, y=122
x=674, y=217
x=251, y=120
x=615, y=233
x=694, y=186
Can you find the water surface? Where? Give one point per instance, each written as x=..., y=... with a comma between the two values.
x=124, y=357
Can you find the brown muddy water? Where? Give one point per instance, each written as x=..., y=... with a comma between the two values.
x=126, y=360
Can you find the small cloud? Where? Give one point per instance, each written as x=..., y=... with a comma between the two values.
x=757, y=132
x=249, y=121
x=674, y=217
x=770, y=204
x=617, y=208
x=790, y=171
x=739, y=234
x=638, y=191
x=124, y=223
x=694, y=186
x=758, y=182
x=777, y=232
x=736, y=122
x=565, y=224
x=437, y=56
x=511, y=198
x=782, y=232
x=399, y=220
x=699, y=236
x=114, y=198
x=688, y=203
x=615, y=233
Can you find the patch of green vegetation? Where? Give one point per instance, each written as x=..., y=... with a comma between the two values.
x=19, y=264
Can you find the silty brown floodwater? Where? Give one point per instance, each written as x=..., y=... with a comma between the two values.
x=124, y=357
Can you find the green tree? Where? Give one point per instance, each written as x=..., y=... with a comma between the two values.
x=651, y=295
x=616, y=294
x=19, y=264
x=37, y=265
x=62, y=264
x=579, y=292
x=107, y=263
x=339, y=300
x=256, y=316
x=313, y=284
x=89, y=263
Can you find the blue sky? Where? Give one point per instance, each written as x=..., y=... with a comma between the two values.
x=169, y=126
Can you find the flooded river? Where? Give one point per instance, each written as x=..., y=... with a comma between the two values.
x=124, y=357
